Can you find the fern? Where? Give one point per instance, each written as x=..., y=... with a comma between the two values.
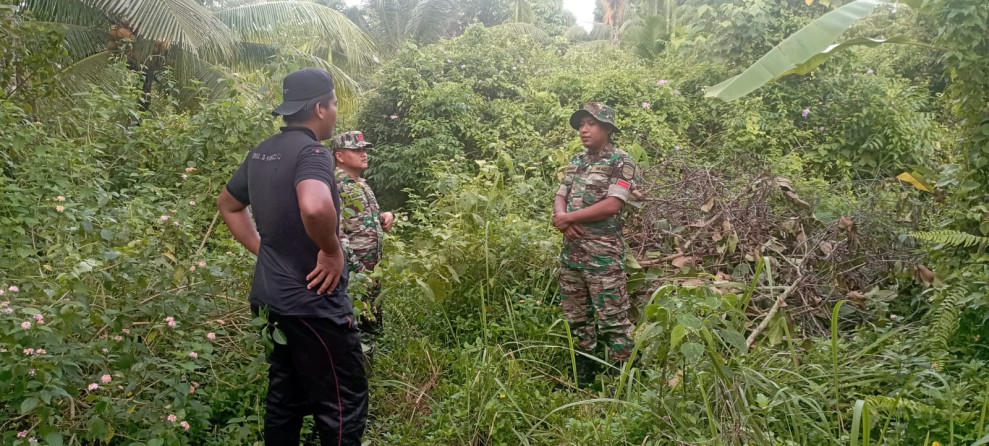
x=951, y=238
x=944, y=321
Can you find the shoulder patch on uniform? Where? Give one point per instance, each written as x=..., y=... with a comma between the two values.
x=628, y=170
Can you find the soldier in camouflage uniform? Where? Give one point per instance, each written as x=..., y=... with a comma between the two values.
x=587, y=210
x=363, y=224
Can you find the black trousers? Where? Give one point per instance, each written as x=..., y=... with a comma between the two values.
x=320, y=371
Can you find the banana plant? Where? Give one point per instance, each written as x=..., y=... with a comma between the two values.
x=805, y=50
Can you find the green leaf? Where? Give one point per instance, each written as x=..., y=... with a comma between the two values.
x=692, y=351
x=279, y=336
x=734, y=339
x=819, y=58
x=426, y=290
x=689, y=321
x=982, y=441
x=857, y=411
x=29, y=404
x=54, y=439
x=677, y=335
x=762, y=400
x=794, y=50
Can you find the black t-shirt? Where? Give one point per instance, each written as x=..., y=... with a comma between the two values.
x=266, y=180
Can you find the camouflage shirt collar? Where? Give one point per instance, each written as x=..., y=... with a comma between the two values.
x=606, y=152
x=345, y=177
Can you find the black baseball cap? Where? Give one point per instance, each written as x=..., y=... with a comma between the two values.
x=302, y=86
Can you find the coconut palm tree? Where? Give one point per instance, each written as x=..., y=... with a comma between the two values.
x=194, y=40
x=394, y=22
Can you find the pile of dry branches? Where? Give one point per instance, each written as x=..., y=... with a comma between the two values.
x=704, y=226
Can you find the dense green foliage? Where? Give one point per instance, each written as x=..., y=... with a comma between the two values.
x=790, y=291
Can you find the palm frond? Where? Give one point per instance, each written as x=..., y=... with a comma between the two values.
x=184, y=23
x=519, y=30
x=576, y=33
x=427, y=20
x=95, y=70
x=522, y=12
x=256, y=56
x=268, y=22
x=647, y=38
x=252, y=56
x=389, y=23
x=69, y=12
x=346, y=87
x=601, y=31
x=200, y=78
x=82, y=41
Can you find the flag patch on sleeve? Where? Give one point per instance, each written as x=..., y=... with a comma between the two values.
x=623, y=183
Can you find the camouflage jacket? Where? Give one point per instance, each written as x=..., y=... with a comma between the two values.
x=587, y=181
x=361, y=230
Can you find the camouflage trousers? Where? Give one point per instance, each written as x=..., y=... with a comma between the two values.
x=370, y=321
x=595, y=304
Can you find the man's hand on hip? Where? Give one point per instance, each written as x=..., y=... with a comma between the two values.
x=326, y=275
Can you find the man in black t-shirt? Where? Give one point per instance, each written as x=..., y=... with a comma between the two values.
x=299, y=276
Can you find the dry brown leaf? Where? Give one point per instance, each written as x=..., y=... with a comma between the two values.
x=925, y=274
x=784, y=184
x=774, y=245
x=801, y=237
x=716, y=236
x=826, y=247
x=791, y=225
x=845, y=223
x=682, y=261
x=706, y=207
x=857, y=298
x=672, y=382
x=698, y=224
x=692, y=282
x=796, y=199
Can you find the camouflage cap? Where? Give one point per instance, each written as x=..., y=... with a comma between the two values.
x=596, y=110
x=352, y=140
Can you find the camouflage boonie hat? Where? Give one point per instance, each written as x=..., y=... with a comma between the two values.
x=350, y=140
x=597, y=111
